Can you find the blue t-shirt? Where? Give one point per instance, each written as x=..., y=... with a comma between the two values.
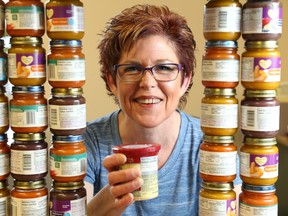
x=179, y=180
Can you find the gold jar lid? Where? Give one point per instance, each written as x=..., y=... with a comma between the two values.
x=260, y=141
x=68, y=185
x=220, y=91
x=26, y=40
x=218, y=139
x=261, y=44
x=29, y=136
x=26, y=185
x=3, y=184
x=220, y=186
x=260, y=93
x=67, y=91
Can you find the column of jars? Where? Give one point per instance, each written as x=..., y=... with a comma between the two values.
x=28, y=106
x=66, y=106
x=260, y=77
x=219, y=107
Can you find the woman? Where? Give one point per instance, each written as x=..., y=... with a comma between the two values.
x=145, y=40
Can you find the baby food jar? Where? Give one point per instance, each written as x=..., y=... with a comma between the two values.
x=2, y=18
x=260, y=113
x=29, y=198
x=262, y=20
x=219, y=112
x=28, y=109
x=145, y=157
x=220, y=65
x=258, y=200
x=222, y=20
x=3, y=63
x=66, y=64
x=26, y=61
x=4, y=197
x=4, y=157
x=29, y=156
x=25, y=18
x=261, y=65
x=67, y=111
x=259, y=160
x=68, y=198
x=218, y=159
x=4, y=113
x=65, y=19
x=68, y=159
x=217, y=199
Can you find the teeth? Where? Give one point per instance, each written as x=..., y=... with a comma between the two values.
x=148, y=101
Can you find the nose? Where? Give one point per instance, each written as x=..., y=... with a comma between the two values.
x=147, y=79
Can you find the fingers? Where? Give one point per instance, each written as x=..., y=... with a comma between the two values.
x=125, y=175
x=114, y=161
x=120, y=190
x=124, y=201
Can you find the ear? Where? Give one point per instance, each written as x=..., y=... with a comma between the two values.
x=111, y=83
x=185, y=83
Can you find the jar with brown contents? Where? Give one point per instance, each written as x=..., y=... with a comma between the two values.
x=4, y=111
x=3, y=64
x=4, y=157
x=4, y=197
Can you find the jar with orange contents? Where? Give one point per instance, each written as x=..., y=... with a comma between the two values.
x=4, y=158
x=258, y=200
x=26, y=61
x=28, y=109
x=218, y=159
x=2, y=18
x=68, y=160
x=66, y=64
x=4, y=111
x=29, y=198
x=25, y=18
x=65, y=19
x=5, y=197
x=220, y=65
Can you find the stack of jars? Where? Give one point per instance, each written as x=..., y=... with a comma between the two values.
x=260, y=76
x=219, y=107
x=66, y=106
x=28, y=106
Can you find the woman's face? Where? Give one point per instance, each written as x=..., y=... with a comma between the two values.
x=149, y=102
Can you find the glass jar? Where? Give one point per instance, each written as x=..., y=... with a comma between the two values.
x=25, y=18
x=258, y=200
x=68, y=158
x=27, y=61
x=220, y=65
x=68, y=199
x=259, y=159
x=29, y=198
x=3, y=63
x=28, y=109
x=260, y=113
x=4, y=113
x=219, y=112
x=67, y=111
x=5, y=197
x=261, y=65
x=218, y=198
x=65, y=19
x=2, y=18
x=222, y=20
x=4, y=157
x=262, y=20
x=29, y=154
x=66, y=64
x=218, y=159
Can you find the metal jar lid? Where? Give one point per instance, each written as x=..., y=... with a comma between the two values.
x=261, y=44
x=2, y=90
x=258, y=189
x=3, y=184
x=218, y=139
x=220, y=91
x=219, y=186
x=67, y=91
x=69, y=138
x=26, y=185
x=224, y=44
x=26, y=40
x=29, y=136
x=260, y=141
x=260, y=93
x=28, y=89
x=65, y=43
x=3, y=137
x=67, y=185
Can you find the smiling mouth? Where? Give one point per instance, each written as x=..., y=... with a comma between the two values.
x=148, y=101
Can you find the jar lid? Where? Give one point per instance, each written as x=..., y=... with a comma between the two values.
x=69, y=138
x=260, y=141
x=4, y=184
x=260, y=93
x=2, y=90
x=63, y=43
x=221, y=186
x=261, y=44
x=28, y=89
x=29, y=184
x=220, y=91
x=67, y=91
x=67, y=185
x=218, y=139
x=3, y=137
x=29, y=136
x=137, y=149
x=26, y=40
x=232, y=44
x=258, y=189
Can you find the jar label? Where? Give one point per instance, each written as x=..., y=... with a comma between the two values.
x=29, y=206
x=24, y=17
x=5, y=205
x=66, y=70
x=220, y=70
x=68, y=207
x=28, y=116
x=219, y=116
x=4, y=164
x=3, y=69
x=262, y=20
x=218, y=163
x=250, y=210
x=261, y=69
x=216, y=207
x=259, y=165
x=29, y=162
x=4, y=119
x=222, y=19
x=27, y=65
x=65, y=18
x=68, y=165
x=260, y=118
x=67, y=116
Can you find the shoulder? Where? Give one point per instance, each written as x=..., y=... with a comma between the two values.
x=193, y=125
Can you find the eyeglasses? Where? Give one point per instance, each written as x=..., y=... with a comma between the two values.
x=160, y=72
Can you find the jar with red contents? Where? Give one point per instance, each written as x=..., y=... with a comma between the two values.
x=4, y=157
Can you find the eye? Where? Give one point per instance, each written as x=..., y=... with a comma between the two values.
x=164, y=68
x=132, y=69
